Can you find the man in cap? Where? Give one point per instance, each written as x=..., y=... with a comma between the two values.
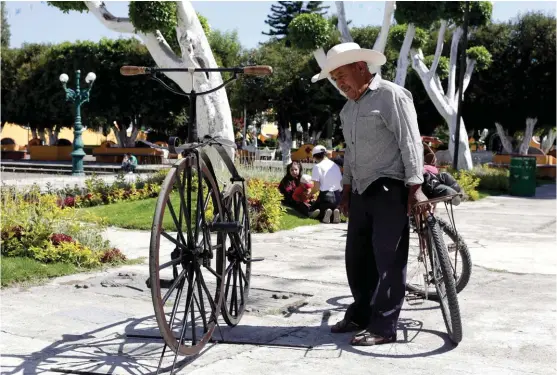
x=327, y=181
x=382, y=179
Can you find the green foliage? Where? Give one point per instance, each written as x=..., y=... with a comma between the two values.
x=442, y=67
x=309, y=31
x=66, y=6
x=495, y=179
x=6, y=34
x=481, y=55
x=480, y=13
x=265, y=206
x=365, y=36
x=36, y=226
x=398, y=32
x=284, y=12
x=204, y=24
x=420, y=13
x=150, y=16
x=425, y=13
x=468, y=183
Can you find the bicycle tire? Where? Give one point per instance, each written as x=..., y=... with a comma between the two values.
x=464, y=253
x=238, y=256
x=464, y=256
x=190, y=264
x=450, y=309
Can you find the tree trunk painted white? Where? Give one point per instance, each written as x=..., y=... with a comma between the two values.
x=285, y=143
x=528, y=133
x=42, y=136
x=548, y=141
x=381, y=41
x=244, y=140
x=213, y=111
x=34, y=134
x=403, y=60
x=507, y=146
x=342, y=25
x=446, y=104
x=53, y=135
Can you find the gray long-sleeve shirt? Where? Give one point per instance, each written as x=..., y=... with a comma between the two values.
x=382, y=137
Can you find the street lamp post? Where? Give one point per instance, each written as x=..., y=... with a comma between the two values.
x=78, y=97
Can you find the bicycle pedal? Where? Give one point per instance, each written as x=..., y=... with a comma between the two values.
x=226, y=227
x=255, y=260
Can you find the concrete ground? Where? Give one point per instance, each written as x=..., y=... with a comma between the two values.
x=78, y=324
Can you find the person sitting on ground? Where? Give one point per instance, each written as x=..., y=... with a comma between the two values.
x=289, y=183
x=327, y=180
x=305, y=198
x=129, y=163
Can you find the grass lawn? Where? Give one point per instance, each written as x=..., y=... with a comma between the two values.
x=139, y=214
x=26, y=270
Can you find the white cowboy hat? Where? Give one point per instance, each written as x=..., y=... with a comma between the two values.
x=348, y=53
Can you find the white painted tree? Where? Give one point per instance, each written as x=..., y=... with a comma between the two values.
x=160, y=25
x=528, y=133
x=548, y=141
x=448, y=14
x=411, y=17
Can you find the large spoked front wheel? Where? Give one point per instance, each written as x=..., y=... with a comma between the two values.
x=443, y=279
x=237, y=271
x=185, y=275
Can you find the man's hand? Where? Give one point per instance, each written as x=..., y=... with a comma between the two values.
x=416, y=195
x=345, y=200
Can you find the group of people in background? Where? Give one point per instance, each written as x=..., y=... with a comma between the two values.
x=317, y=195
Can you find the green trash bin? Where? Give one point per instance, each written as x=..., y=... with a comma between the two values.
x=522, y=177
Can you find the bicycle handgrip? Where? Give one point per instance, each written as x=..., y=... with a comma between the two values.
x=258, y=70
x=133, y=70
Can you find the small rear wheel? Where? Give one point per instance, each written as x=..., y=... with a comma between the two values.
x=237, y=273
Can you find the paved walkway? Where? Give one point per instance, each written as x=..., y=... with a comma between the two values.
x=508, y=309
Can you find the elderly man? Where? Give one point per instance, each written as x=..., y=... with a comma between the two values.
x=383, y=166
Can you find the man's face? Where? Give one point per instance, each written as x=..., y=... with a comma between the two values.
x=350, y=79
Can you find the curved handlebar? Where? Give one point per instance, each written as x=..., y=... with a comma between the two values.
x=258, y=70
x=133, y=70
x=254, y=70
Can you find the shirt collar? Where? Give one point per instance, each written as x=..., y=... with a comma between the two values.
x=373, y=85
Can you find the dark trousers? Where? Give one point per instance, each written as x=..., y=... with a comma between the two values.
x=326, y=200
x=377, y=254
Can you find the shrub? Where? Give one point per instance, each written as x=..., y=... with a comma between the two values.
x=468, y=182
x=112, y=256
x=36, y=225
x=492, y=178
x=265, y=205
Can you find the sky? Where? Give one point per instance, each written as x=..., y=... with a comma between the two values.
x=36, y=22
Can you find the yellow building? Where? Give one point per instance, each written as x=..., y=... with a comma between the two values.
x=22, y=136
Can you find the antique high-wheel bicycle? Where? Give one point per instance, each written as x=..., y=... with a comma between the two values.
x=436, y=273
x=200, y=246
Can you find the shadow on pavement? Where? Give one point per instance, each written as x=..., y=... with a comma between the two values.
x=109, y=350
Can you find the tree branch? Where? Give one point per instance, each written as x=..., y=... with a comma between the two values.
x=507, y=147
x=156, y=44
x=436, y=96
x=457, y=34
x=470, y=65
x=439, y=48
x=381, y=40
x=528, y=133
x=403, y=60
x=342, y=26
